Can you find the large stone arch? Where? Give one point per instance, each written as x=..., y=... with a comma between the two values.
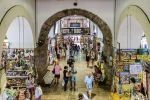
x=140, y=15
x=41, y=51
x=9, y=16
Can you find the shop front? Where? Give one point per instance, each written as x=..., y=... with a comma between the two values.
x=131, y=65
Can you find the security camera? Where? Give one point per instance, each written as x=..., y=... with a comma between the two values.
x=75, y=4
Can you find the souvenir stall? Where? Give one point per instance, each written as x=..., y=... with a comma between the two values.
x=19, y=62
x=145, y=60
x=123, y=70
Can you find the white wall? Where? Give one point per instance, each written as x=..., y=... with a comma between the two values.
x=5, y=8
x=103, y=8
x=120, y=6
x=29, y=5
x=13, y=34
x=134, y=39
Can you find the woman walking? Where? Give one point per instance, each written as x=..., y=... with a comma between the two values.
x=65, y=77
x=30, y=84
x=57, y=69
x=87, y=59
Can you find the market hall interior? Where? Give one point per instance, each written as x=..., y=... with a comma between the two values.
x=30, y=32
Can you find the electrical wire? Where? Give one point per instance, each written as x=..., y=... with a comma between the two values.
x=127, y=31
x=23, y=30
x=19, y=31
x=130, y=30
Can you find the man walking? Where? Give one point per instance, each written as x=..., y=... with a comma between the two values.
x=73, y=72
x=70, y=61
x=89, y=84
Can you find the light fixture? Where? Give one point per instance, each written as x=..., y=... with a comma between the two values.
x=6, y=39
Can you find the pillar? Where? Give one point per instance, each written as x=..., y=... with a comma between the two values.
x=91, y=27
x=58, y=27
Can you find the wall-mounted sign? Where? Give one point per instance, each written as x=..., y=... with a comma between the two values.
x=72, y=31
x=136, y=69
x=75, y=25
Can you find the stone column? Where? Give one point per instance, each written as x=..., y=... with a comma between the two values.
x=91, y=27
x=99, y=33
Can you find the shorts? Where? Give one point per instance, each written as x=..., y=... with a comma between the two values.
x=39, y=98
x=57, y=76
x=31, y=90
x=89, y=90
x=72, y=79
x=93, y=59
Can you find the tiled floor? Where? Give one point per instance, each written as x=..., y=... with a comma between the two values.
x=55, y=92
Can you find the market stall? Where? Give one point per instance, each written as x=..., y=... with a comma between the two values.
x=129, y=66
x=19, y=62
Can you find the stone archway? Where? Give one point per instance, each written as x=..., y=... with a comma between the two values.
x=41, y=51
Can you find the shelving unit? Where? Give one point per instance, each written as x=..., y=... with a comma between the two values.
x=19, y=62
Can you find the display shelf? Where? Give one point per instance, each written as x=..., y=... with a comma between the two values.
x=17, y=70
x=16, y=76
x=18, y=86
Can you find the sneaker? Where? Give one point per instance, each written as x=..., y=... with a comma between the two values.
x=70, y=88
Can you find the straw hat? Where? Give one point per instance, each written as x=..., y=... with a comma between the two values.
x=29, y=73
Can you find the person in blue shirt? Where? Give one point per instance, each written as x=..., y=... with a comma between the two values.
x=89, y=84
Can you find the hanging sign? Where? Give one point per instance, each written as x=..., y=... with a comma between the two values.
x=136, y=69
x=144, y=57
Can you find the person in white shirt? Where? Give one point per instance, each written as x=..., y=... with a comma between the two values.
x=89, y=84
x=82, y=96
x=38, y=92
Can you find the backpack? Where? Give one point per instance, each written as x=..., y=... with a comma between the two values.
x=68, y=61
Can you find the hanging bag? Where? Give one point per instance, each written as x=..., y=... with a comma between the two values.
x=53, y=71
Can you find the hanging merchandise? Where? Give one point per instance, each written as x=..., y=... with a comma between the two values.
x=129, y=66
x=18, y=68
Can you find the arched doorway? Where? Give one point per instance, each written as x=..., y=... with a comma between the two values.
x=41, y=51
x=14, y=12
x=140, y=15
x=6, y=21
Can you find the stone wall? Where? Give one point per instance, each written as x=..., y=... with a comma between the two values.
x=41, y=51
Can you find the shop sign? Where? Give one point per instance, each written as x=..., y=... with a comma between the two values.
x=144, y=57
x=136, y=69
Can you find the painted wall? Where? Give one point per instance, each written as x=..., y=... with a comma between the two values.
x=136, y=12
x=26, y=40
x=103, y=8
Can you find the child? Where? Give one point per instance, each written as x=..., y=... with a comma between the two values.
x=27, y=95
x=38, y=92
